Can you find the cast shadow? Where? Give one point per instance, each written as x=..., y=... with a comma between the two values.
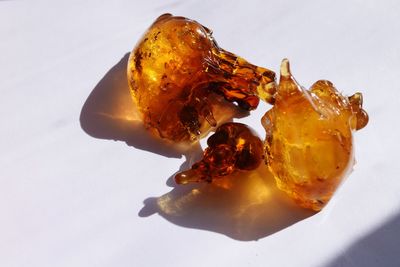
x=109, y=113
x=245, y=206
x=379, y=248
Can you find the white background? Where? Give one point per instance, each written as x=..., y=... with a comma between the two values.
x=83, y=185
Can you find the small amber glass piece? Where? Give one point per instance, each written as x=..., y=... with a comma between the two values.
x=309, y=147
x=233, y=147
x=175, y=68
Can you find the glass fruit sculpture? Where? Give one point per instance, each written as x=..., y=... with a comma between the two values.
x=309, y=143
x=233, y=147
x=175, y=71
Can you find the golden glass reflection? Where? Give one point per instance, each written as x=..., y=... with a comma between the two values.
x=244, y=205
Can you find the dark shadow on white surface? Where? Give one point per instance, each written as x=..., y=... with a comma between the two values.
x=246, y=206
x=109, y=113
x=379, y=248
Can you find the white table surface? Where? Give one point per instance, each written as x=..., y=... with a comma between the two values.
x=81, y=184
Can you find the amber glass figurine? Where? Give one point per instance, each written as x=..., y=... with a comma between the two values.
x=174, y=70
x=309, y=146
x=233, y=147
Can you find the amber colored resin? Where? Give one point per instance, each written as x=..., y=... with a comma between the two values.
x=309, y=146
x=233, y=147
x=177, y=66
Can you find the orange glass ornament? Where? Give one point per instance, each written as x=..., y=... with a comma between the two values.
x=309, y=138
x=176, y=70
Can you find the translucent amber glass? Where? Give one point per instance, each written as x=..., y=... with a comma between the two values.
x=176, y=68
x=309, y=146
x=232, y=147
